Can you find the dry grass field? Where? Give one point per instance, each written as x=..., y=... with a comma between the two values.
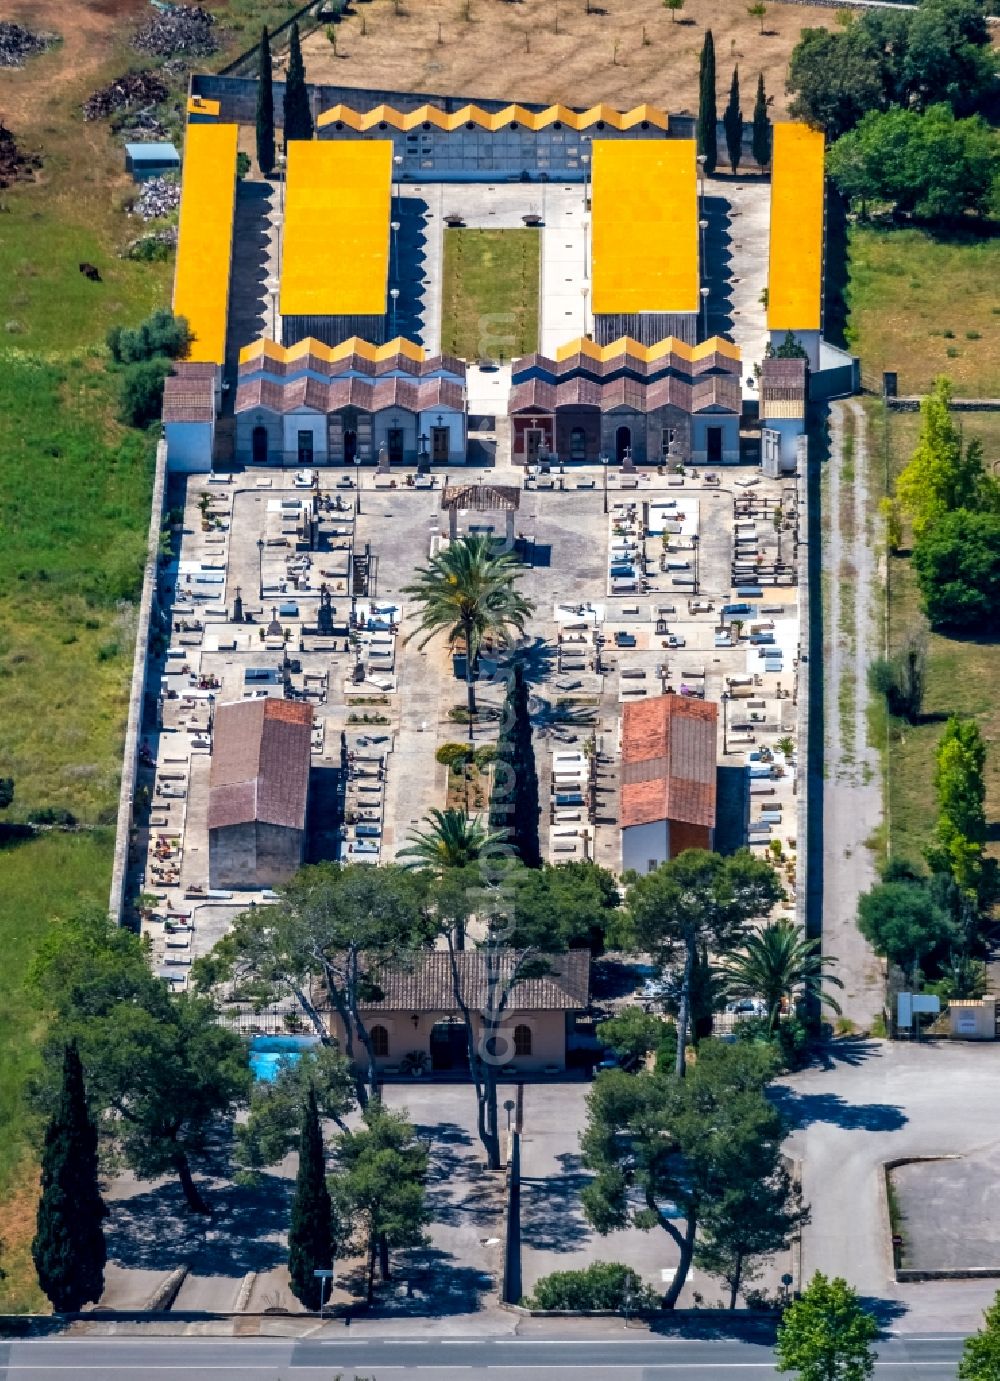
x=623, y=51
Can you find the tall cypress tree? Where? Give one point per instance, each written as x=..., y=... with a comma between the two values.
x=707, y=116
x=310, y=1232
x=298, y=117
x=732, y=120
x=514, y=799
x=68, y=1249
x=761, y=127
x=265, y=108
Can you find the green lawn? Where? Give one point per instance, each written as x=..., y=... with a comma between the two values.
x=490, y=293
x=924, y=307
x=43, y=878
x=962, y=673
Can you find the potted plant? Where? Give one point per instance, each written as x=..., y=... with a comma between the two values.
x=416, y=1064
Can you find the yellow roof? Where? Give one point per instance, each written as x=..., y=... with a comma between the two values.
x=269, y=349
x=795, y=270
x=670, y=345
x=645, y=226
x=201, y=105
x=362, y=120
x=335, y=257
x=205, y=237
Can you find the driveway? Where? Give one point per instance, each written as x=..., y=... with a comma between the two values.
x=878, y=1102
x=555, y=1235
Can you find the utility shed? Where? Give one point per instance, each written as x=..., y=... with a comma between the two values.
x=668, y=792
x=151, y=160
x=258, y=792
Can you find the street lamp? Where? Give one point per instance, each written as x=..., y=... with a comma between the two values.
x=260, y=566
x=397, y=162
x=357, y=480
x=725, y=723
x=394, y=227
x=272, y=285
x=584, y=293
x=394, y=294
x=704, y=303
x=605, y=462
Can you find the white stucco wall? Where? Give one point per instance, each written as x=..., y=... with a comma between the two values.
x=189, y=447
x=295, y=422
x=642, y=844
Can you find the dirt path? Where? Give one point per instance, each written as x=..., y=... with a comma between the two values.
x=852, y=791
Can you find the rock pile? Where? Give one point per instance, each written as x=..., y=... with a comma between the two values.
x=18, y=44
x=180, y=29
x=15, y=165
x=125, y=93
x=157, y=198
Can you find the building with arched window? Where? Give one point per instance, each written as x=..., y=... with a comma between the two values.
x=418, y=1015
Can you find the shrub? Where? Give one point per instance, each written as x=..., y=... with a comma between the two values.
x=453, y=755
x=162, y=334
x=141, y=396
x=602, y=1285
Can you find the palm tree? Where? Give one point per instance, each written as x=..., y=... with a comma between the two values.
x=778, y=962
x=452, y=840
x=468, y=591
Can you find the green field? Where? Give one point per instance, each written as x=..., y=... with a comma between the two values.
x=74, y=510
x=924, y=307
x=962, y=673
x=490, y=293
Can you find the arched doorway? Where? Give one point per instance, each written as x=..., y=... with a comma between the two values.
x=449, y=1046
x=259, y=446
x=623, y=443
x=350, y=447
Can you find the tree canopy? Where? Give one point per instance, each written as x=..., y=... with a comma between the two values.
x=708, y=120
x=960, y=788
x=780, y=965
x=942, y=474
x=827, y=1334
x=903, y=921
x=514, y=805
x=327, y=918
x=163, y=1074
x=926, y=163
x=957, y=563
x=310, y=1228
x=981, y=1352
x=761, y=126
x=679, y=1147
x=298, y=116
x=468, y=591
x=938, y=52
x=698, y=898
x=68, y=1248
x=732, y=121
x=278, y=1106
x=265, y=107
x=379, y=1186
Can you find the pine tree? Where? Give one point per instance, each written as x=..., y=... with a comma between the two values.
x=265, y=108
x=761, y=127
x=298, y=118
x=68, y=1249
x=732, y=121
x=514, y=799
x=310, y=1232
x=707, y=116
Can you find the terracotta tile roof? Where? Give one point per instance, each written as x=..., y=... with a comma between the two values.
x=720, y=391
x=669, y=746
x=261, y=755
x=535, y=393
x=258, y=393
x=189, y=399
x=350, y=393
x=424, y=983
x=195, y=369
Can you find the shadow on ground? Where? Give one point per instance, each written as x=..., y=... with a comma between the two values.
x=803, y=1109
x=551, y=1213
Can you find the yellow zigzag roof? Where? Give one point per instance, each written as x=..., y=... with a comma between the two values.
x=375, y=354
x=361, y=121
x=625, y=345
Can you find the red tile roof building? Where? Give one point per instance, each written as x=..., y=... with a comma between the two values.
x=258, y=792
x=668, y=791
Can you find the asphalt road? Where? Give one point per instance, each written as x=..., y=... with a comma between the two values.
x=476, y=1359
